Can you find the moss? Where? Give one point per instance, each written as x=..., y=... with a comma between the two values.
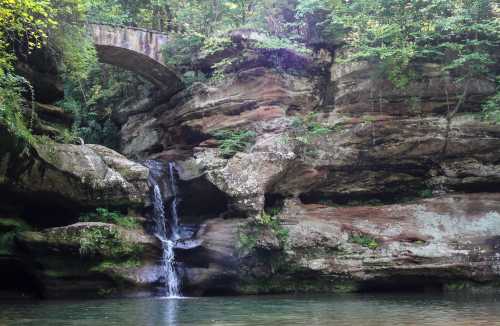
x=12, y=224
x=113, y=265
x=472, y=287
x=9, y=228
x=456, y=286
x=278, y=285
x=107, y=242
x=106, y=292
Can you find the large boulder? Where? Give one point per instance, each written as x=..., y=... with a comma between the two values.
x=91, y=259
x=432, y=241
x=82, y=176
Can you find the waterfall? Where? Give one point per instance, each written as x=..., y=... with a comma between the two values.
x=167, y=236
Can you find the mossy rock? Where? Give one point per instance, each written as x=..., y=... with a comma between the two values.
x=278, y=285
x=90, y=239
x=9, y=227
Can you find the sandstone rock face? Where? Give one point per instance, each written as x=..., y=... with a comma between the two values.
x=359, y=91
x=40, y=67
x=82, y=176
x=438, y=242
x=445, y=238
x=373, y=186
x=351, y=181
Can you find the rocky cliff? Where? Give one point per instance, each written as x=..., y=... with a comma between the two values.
x=348, y=184
x=298, y=174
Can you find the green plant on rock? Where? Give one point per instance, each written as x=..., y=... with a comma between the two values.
x=107, y=242
x=220, y=68
x=11, y=107
x=214, y=44
x=271, y=42
x=249, y=233
x=272, y=222
x=364, y=240
x=491, y=108
x=9, y=228
x=308, y=128
x=105, y=216
x=247, y=238
x=425, y=193
x=232, y=142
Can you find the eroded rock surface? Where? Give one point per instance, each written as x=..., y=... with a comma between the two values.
x=80, y=175
x=350, y=181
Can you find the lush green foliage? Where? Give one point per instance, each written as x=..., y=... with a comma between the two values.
x=11, y=115
x=113, y=217
x=22, y=20
x=460, y=36
x=231, y=141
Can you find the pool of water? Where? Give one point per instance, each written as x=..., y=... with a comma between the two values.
x=338, y=310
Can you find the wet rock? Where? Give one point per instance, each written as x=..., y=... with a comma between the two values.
x=91, y=259
x=213, y=266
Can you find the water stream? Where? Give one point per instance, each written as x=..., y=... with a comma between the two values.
x=166, y=228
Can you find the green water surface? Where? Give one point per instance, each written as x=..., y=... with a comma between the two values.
x=338, y=310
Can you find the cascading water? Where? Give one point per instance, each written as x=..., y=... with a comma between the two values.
x=167, y=236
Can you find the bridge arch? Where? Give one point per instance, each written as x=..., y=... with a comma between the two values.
x=137, y=50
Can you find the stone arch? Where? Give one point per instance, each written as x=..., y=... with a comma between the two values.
x=137, y=50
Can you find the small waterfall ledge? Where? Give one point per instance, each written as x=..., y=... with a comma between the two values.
x=165, y=228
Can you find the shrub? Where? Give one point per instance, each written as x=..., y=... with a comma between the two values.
x=105, y=216
x=231, y=142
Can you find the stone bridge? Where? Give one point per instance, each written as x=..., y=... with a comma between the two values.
x=135, y=49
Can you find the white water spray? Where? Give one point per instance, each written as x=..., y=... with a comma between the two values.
x=168, y=237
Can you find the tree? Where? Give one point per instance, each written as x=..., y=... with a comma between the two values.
x=22, y=21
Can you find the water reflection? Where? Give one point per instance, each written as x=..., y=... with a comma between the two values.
x=169, y=312
x=360, y=310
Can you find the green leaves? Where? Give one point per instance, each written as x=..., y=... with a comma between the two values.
x=231, y=142
x=459, y=35
x=491, y=109
x=105, y=216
